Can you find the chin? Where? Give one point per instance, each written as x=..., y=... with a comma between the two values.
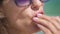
x=34, y=28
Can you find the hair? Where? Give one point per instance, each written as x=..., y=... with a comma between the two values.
x=1, y=1
x=2, y=20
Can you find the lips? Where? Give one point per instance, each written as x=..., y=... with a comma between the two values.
x=38, y=12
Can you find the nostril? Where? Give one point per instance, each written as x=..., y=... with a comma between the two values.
x=35, y=8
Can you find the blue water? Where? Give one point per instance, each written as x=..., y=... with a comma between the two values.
x=52, y=8
x=40, y=32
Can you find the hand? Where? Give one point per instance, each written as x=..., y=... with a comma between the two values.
x=49, y=25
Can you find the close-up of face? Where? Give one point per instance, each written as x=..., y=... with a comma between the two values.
x=19, y=13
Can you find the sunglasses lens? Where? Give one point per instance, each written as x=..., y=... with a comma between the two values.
x=44, y=1
x=22, y=2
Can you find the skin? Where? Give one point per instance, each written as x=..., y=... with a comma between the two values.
x=21, y=20
x=49, y=25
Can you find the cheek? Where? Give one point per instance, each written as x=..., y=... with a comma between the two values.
x=11, y=8
x=28, y=12
x=12, y=11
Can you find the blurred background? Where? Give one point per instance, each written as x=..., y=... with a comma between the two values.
x=51, y=8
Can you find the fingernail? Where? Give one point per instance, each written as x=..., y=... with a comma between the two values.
x=35, y=18
x=38, y=15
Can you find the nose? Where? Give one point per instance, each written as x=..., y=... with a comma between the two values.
x=36, y=4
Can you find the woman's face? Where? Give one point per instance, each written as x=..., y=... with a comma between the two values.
x=20, y=15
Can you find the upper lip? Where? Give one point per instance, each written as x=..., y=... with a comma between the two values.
x=38, y=12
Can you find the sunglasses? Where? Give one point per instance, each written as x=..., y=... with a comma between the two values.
x=24, y=3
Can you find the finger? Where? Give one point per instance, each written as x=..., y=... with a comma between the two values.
x=57, y=22
x=45, y=23
x=44, y=29
x=58, y=19
x=51, y=20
